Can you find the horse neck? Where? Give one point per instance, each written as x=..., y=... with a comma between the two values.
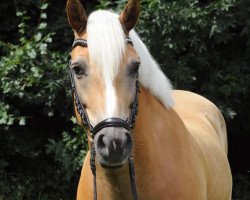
x=113, y=183
x=158, y=129
x=154, y=133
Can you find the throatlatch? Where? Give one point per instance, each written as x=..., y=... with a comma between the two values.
x=109, y=122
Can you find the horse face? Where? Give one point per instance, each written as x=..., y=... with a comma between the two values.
x=113, y=144
x=105, y=75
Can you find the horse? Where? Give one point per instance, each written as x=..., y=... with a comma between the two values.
x=177, y=139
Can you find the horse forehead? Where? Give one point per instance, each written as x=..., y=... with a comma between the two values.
x=79, y=51
x=129, y=54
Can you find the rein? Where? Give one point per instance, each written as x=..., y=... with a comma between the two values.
x=109, y=122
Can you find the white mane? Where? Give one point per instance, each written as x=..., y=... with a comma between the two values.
x=150, y=74
x=106, y=43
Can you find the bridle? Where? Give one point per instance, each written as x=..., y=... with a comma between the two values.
x=128, y=124
x=109, y=122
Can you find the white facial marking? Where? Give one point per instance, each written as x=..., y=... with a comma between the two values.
x=110, y=99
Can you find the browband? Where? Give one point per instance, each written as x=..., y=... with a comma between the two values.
x=79, y=42
x=83, y=42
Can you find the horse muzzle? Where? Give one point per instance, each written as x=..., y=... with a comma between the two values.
x=113, y=146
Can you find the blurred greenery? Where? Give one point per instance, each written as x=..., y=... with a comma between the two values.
x=202, y=46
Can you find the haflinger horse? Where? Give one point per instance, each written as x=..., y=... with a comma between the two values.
x=178, y=140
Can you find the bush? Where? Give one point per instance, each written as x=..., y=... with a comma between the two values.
x=35, y=100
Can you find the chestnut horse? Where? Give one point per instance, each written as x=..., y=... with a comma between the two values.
x=179, y=141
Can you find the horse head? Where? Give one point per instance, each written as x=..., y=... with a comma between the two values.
x=104, y=71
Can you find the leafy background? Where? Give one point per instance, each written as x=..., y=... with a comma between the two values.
x=201, y=46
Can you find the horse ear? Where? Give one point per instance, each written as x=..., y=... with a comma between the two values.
x=76, y=16
x=130, y=15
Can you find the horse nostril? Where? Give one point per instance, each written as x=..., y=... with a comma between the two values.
x=102, y=146
x=100, y=142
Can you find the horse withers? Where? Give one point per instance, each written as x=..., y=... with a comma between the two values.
x=178, y=139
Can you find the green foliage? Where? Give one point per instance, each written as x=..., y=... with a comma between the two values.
x=69, y=152
x=34, y=92
x=195, y=47
x=30, y=74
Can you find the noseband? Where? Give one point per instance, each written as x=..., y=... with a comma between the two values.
x=109, y=122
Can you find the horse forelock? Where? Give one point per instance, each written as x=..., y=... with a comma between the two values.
x=106, y=45
x=106, y=42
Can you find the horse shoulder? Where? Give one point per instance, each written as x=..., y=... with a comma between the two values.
x=199, y=113
x=206, y=126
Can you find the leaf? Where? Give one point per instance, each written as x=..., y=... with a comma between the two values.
x=73, y=119
x=43, y=48
x=170, y=45
x=42, y=25
x=18, y=13
x=43, y=16
x=22, y=121
x=44, y=6
x=32, y=54
x=231, y=113
x=50, y=114
x=212, y=30
x=38, y=37
x=34, y=69
x=10, y=121
x=3, y=121
x=49, y=40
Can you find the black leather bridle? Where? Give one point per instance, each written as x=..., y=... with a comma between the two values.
x=109, y=122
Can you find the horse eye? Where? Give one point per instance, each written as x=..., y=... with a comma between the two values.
x=133, y=68
x=79, y=71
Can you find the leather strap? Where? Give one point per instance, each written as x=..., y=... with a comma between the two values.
x=110, y=122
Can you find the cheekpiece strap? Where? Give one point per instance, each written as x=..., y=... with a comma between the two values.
x=134, y=106
x=80, y=108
